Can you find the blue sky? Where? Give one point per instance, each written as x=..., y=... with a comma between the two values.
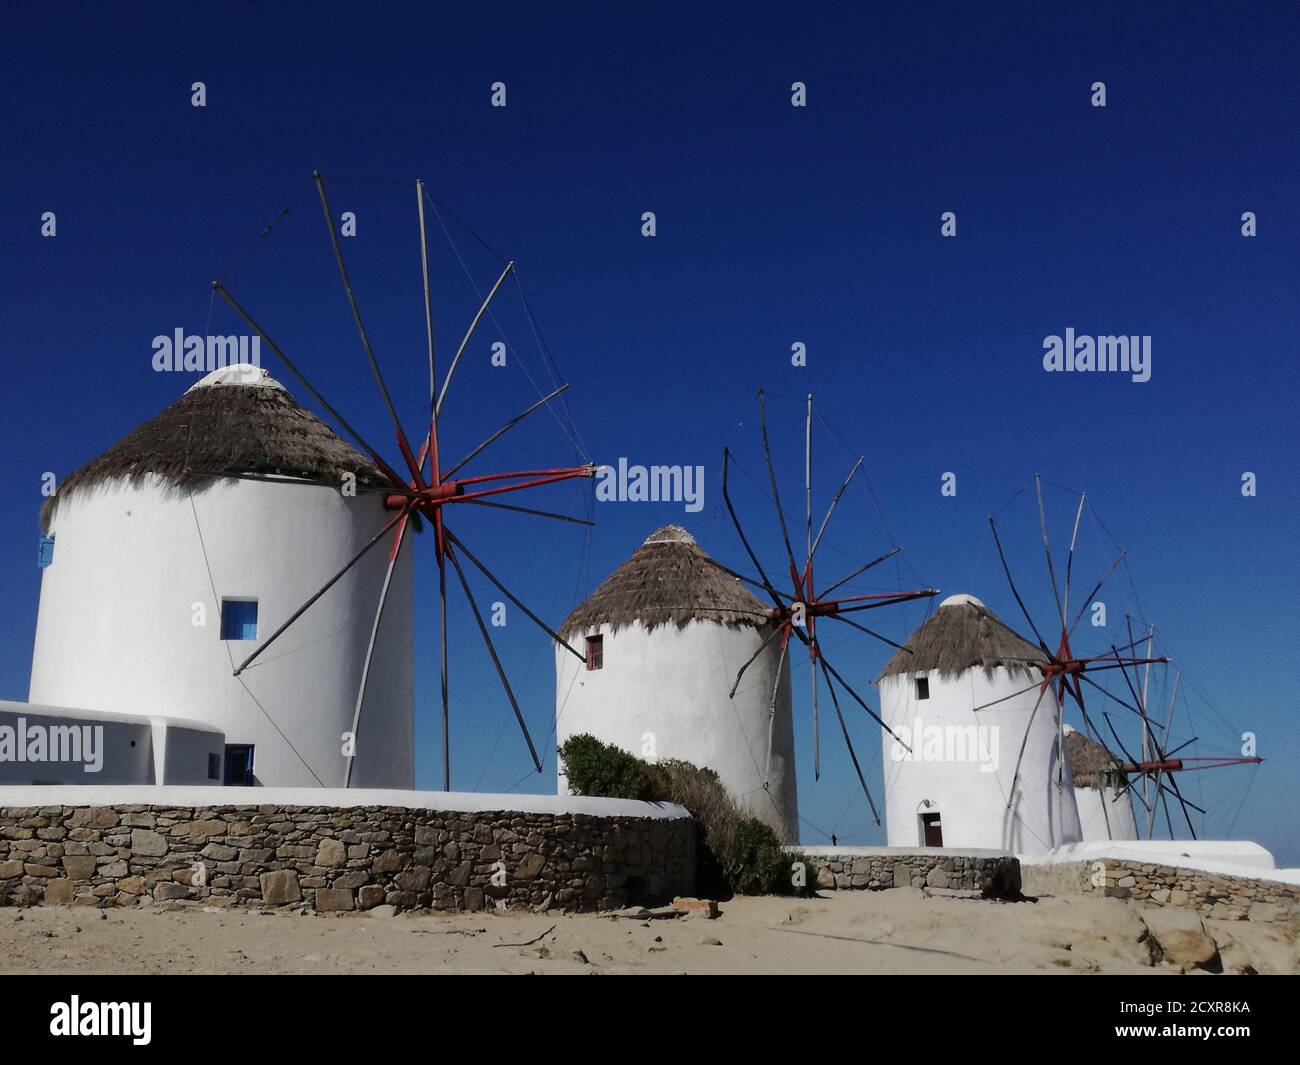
x=775, y=225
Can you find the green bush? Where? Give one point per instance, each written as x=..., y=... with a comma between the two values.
x=595, y=768
x=740, y=854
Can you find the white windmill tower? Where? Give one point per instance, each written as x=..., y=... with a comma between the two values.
x=977, y=765
x=290, y=564
x=664, y=637
x=1101, y=789
x=187, y=543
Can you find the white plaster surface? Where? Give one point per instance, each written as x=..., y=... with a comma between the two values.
x=448, y=801
x=669, y=686
x=132, y=566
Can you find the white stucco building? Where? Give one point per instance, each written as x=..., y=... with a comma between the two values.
x=958, y=785
x=160, y=578
x=50, y=745
x=664, y=637
x=1101, y=790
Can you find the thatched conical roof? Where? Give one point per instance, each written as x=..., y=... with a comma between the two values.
x=1091, y=764
x=962, y=634
x=236, y=420
x=668, y=579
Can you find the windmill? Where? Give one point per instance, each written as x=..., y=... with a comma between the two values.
x=795, y=613
x=427, y=487
x=1155, y=763
x=1065, y=672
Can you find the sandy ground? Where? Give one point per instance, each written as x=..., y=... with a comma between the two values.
x=896, y=931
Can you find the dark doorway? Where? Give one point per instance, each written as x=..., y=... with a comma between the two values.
x=239, y=765
x=931, y=830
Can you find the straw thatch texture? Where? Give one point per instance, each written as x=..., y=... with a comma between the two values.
x=1091, y=764
x=961, y=636
x=223, y=429
x=667, y=580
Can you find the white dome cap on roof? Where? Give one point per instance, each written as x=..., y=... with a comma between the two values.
x=238, y=373
x=962, y=600
x=670, y=534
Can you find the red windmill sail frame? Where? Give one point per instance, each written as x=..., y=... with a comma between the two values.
x=795, y=614
x=1064, y=673
x=421, y=493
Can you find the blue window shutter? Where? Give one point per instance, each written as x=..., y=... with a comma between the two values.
x=45, y=554
x=239, y=619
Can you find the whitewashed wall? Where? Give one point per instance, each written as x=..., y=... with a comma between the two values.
x=121, y=749
x=1104, y=814
x=672, y=684
x=115, y=629
x=973, y=802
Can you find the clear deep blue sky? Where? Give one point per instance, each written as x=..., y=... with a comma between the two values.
x=775, y=225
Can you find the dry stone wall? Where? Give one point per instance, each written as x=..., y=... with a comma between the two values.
x=335, y=859
x=995, y=876
x=1225, y=898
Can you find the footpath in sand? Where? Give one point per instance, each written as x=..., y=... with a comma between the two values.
x=898, y=931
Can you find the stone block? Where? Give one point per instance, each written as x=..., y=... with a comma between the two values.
x=59, y=892
x=93, y=817
x=1181, y=936
x=333, y=900
x=416, y=879
x=332, y=852
x=147, y=843
x=280, y=887
x=389, y=862
x=79, y=867
x=530, y=865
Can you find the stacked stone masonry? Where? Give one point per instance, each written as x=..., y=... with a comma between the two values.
x=995, y=876
x=335, y=859
x=1225, y=898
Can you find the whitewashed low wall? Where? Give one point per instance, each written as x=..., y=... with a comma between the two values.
x=1223, y=857
x=450, y=801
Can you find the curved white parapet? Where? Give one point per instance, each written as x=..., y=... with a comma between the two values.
x=899, y=852
x=343, y=798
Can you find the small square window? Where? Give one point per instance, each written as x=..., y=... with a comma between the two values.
x=595, y=652
x=239, y=619
x=923, y=687
x=45, y=553
x=214, y=767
